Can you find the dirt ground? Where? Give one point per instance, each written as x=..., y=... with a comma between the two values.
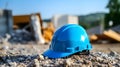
x=106, y=47
x=40, y=48
x=96, y=47
x=28, y=55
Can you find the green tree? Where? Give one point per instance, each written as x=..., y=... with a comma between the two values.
x=114, y=13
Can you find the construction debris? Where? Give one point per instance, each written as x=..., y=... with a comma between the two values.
x=30, y=55
x=37, y=29
x=21, y=36
x=48, y=32
x=32, y=24
x=93, y=37
x=95, y=59
x=6, y=21
x=112, y=35
x=106, y=37
x=21, y=21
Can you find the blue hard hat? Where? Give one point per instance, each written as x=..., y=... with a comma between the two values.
x=67, y=40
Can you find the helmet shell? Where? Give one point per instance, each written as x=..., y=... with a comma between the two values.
x=67, y=40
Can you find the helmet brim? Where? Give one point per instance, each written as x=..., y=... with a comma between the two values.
x=52, y=54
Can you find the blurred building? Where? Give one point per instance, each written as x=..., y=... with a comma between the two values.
x=60, y=20
x=21, y=21
x=6, y=22
x=94, y=30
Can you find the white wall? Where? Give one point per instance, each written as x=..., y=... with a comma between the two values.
x=60, y=20
x=73, y=19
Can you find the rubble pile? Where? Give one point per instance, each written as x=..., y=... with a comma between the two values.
x=20, y=56
x=21, y=36
x=96, y=59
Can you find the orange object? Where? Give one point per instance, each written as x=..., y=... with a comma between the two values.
x=48, y=32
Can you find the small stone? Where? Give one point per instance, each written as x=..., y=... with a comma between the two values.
x=118, y=58
x=105, y=61
x=60, y=61
x=105, y=56
x=83, y=65
x=109, y=65
x=99, y=65
x=41, y=57
x=90, y=64
x=4, y=47
x=46, y=62
x=68, y=62
x=113, y=62
x=46, y=57
x=36, y=62
x=9, y=61
x=2, y=65
x=28, y=58
x=13, y=64
x=86, y=61
x=21, y=59
x=21, y=65
x=99, y=59
x=112, y=53
x=118, y=65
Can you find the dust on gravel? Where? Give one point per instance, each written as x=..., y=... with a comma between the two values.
x=29, y=55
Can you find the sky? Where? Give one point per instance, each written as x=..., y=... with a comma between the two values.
x=49, y=8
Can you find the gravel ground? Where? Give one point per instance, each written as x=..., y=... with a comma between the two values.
x=30, y=55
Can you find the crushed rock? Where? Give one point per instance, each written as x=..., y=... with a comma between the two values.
x=73, y=61
x=20, y=56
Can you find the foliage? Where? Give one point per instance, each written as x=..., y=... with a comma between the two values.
x=114, y=13
x=91, y=20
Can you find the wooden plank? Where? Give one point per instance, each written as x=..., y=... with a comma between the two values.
x=112, y=35
x=93, y=37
